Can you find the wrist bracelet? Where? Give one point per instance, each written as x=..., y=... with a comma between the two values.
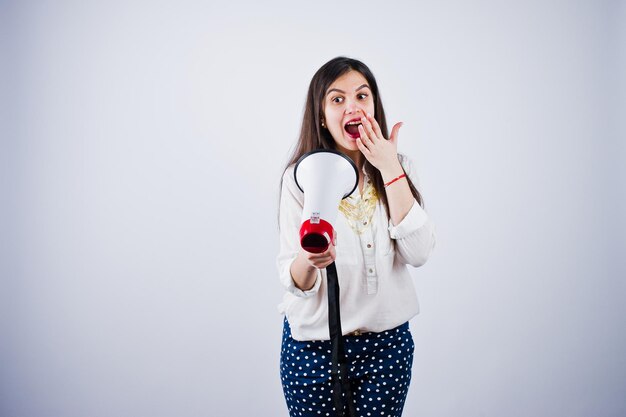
x=394, y=180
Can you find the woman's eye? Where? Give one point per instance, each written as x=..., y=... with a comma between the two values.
x=362, y=96
x=337, y=99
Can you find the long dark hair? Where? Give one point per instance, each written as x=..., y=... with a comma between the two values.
x=313, y=136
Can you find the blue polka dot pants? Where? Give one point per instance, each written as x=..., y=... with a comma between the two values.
x=379, y=371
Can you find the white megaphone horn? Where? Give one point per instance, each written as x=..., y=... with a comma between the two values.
x=325, y=177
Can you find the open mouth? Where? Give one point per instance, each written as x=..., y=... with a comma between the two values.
x=352, y=127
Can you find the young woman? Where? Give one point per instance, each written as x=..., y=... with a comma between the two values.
x=381, y=229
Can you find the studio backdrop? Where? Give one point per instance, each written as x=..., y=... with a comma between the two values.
x=141, y=150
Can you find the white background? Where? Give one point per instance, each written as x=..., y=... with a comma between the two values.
x=142, y=145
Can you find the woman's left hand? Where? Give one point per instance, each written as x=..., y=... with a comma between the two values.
x=380, y=152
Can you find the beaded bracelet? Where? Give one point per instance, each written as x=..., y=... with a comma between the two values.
x=394, y=180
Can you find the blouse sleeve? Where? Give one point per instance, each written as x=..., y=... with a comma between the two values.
x=415, y=234
x=290, y=216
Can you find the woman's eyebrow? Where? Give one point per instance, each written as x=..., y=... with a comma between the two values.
x=343, y=92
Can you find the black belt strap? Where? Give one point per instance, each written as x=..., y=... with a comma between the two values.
x=339, y=371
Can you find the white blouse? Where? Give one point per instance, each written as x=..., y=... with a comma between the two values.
x=376, y=288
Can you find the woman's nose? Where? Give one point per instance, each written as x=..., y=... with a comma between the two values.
x=352, y=108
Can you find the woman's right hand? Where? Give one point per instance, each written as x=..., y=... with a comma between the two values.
x=304, y=268
x=320, y=260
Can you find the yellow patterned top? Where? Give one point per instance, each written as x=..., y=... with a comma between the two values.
x=359, y=209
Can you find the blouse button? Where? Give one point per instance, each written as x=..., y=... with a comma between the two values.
x=369, y=245
x=365, y=222
x=371, y=270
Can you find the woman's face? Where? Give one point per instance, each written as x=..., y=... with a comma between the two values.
x=347, y=100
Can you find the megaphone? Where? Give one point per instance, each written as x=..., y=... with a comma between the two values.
x=325, y=177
